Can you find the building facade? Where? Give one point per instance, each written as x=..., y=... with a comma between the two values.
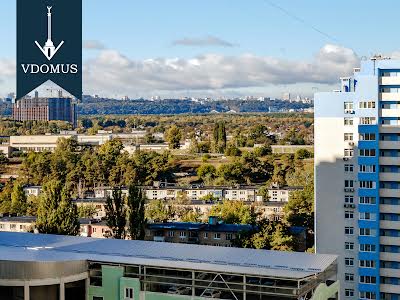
x=45, y=109
x=357, y=167
x=37, y=267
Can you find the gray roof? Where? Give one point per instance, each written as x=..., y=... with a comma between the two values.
x=46, y=248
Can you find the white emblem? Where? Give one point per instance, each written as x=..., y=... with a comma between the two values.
x=49, y=50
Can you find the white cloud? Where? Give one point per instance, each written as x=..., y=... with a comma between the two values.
x=93, y=45
x=203, y=42
x=111, y=72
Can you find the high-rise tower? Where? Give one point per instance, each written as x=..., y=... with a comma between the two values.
x=357, y=179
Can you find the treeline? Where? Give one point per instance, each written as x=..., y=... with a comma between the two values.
x=91, y=106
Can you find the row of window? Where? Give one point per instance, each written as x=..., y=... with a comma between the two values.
x=349, y=214
x=349, y=230
x=348, y=106
x=217, y=235
x=349, y=199
x=362, y=121
x=364, y=184
x=363, y=136
x=349, y=168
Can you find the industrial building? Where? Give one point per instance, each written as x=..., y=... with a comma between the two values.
x=37, y=267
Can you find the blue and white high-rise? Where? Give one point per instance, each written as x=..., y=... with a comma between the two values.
x=357, y=179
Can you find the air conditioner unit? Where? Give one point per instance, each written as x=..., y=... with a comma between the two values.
x=349, y=111
x=349, y=190
x=345, y=158
x=349, y=205
x=351, y=143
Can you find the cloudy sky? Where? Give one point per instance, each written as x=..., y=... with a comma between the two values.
x=218, y=47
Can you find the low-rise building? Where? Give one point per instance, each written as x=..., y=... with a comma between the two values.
x=54, y=267
x=213, y=233
x=278, y=193
x=32, y=190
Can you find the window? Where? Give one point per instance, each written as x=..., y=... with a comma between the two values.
x=129, y=294
x=348, y=121
x=367, y=295
x=349, y=293
x=367, y=263
x=348, y=214
x=367, y=152
x=348, y=168
x=367, y=168
x=228, y=236
x=367, y=216
x=367, y=200
x=348, y=199
x=348, y=107
x=348, y=136
x=1, y=226
x=367, y=184
x=182, y=234
x=348, y=183
x=367, y=137
x=206, y=235
x=368, y=121
x=13, y=226
x=349, y=245
x=348, y=261
x=349, y=230
x=349, y=277
x=217, y=236
x=367, y=248
x=367, y=232
x=348, y=152
x=171, y=233
x=368, y=279
x=366, y=104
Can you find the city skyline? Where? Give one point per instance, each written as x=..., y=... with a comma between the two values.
x=186, y=50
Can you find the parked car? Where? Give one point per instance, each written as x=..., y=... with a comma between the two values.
x=179, y=290
x=209, y=293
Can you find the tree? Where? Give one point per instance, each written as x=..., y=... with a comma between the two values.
x=232, y=150
x=173, y=136
x=158, y=211
x=87, y=211
x=5, y=197
x=234, y=212
x=219, y=137
x=19, y=204
x=3, y=161
x=136, y=213
x=206, y=172
x=281, y=239
x=303, y=154
x=116, y=214
x=56, y=213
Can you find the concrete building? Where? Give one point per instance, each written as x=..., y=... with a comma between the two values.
x=357, y=179
x=37, y=267
x=45, y=109
x=213, y=233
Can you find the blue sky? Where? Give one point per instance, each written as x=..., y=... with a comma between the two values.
x=144, y=36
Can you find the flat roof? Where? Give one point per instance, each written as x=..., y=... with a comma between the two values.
x=53, y=248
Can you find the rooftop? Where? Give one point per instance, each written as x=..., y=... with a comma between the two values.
x=52, y=248
x=222, y=227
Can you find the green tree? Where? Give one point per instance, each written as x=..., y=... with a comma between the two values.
x=19, y=204
x=234, y=212
x=87, y=211
x=3, y=161
x=206, y=172
x=303, y=154
x=136, y=213
x=232, y=150
x=281, y=239
x=219, y=137
x=56, y=213
x=5, y=197
x=116, y=214
x=173, y=136
x=158, y=211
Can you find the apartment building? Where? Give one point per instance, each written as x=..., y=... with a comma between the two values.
x=357, y=167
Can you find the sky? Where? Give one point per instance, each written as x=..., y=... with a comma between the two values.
x=219, y=48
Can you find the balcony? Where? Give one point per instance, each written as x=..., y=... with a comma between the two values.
x=389, y=256
x=389, y=161
x=389, y=176
x=388, y=112
x=390, y=193
x=390, y=272
x=385, y=208
x=389, y=96
x=390, y=289
x=389, y=225
x=389, y=240
x=386, y=80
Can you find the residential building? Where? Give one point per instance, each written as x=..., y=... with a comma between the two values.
x=32, y=190
x=45, y=109
x=357, y=149
x=36, y=267
x=213, y=233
